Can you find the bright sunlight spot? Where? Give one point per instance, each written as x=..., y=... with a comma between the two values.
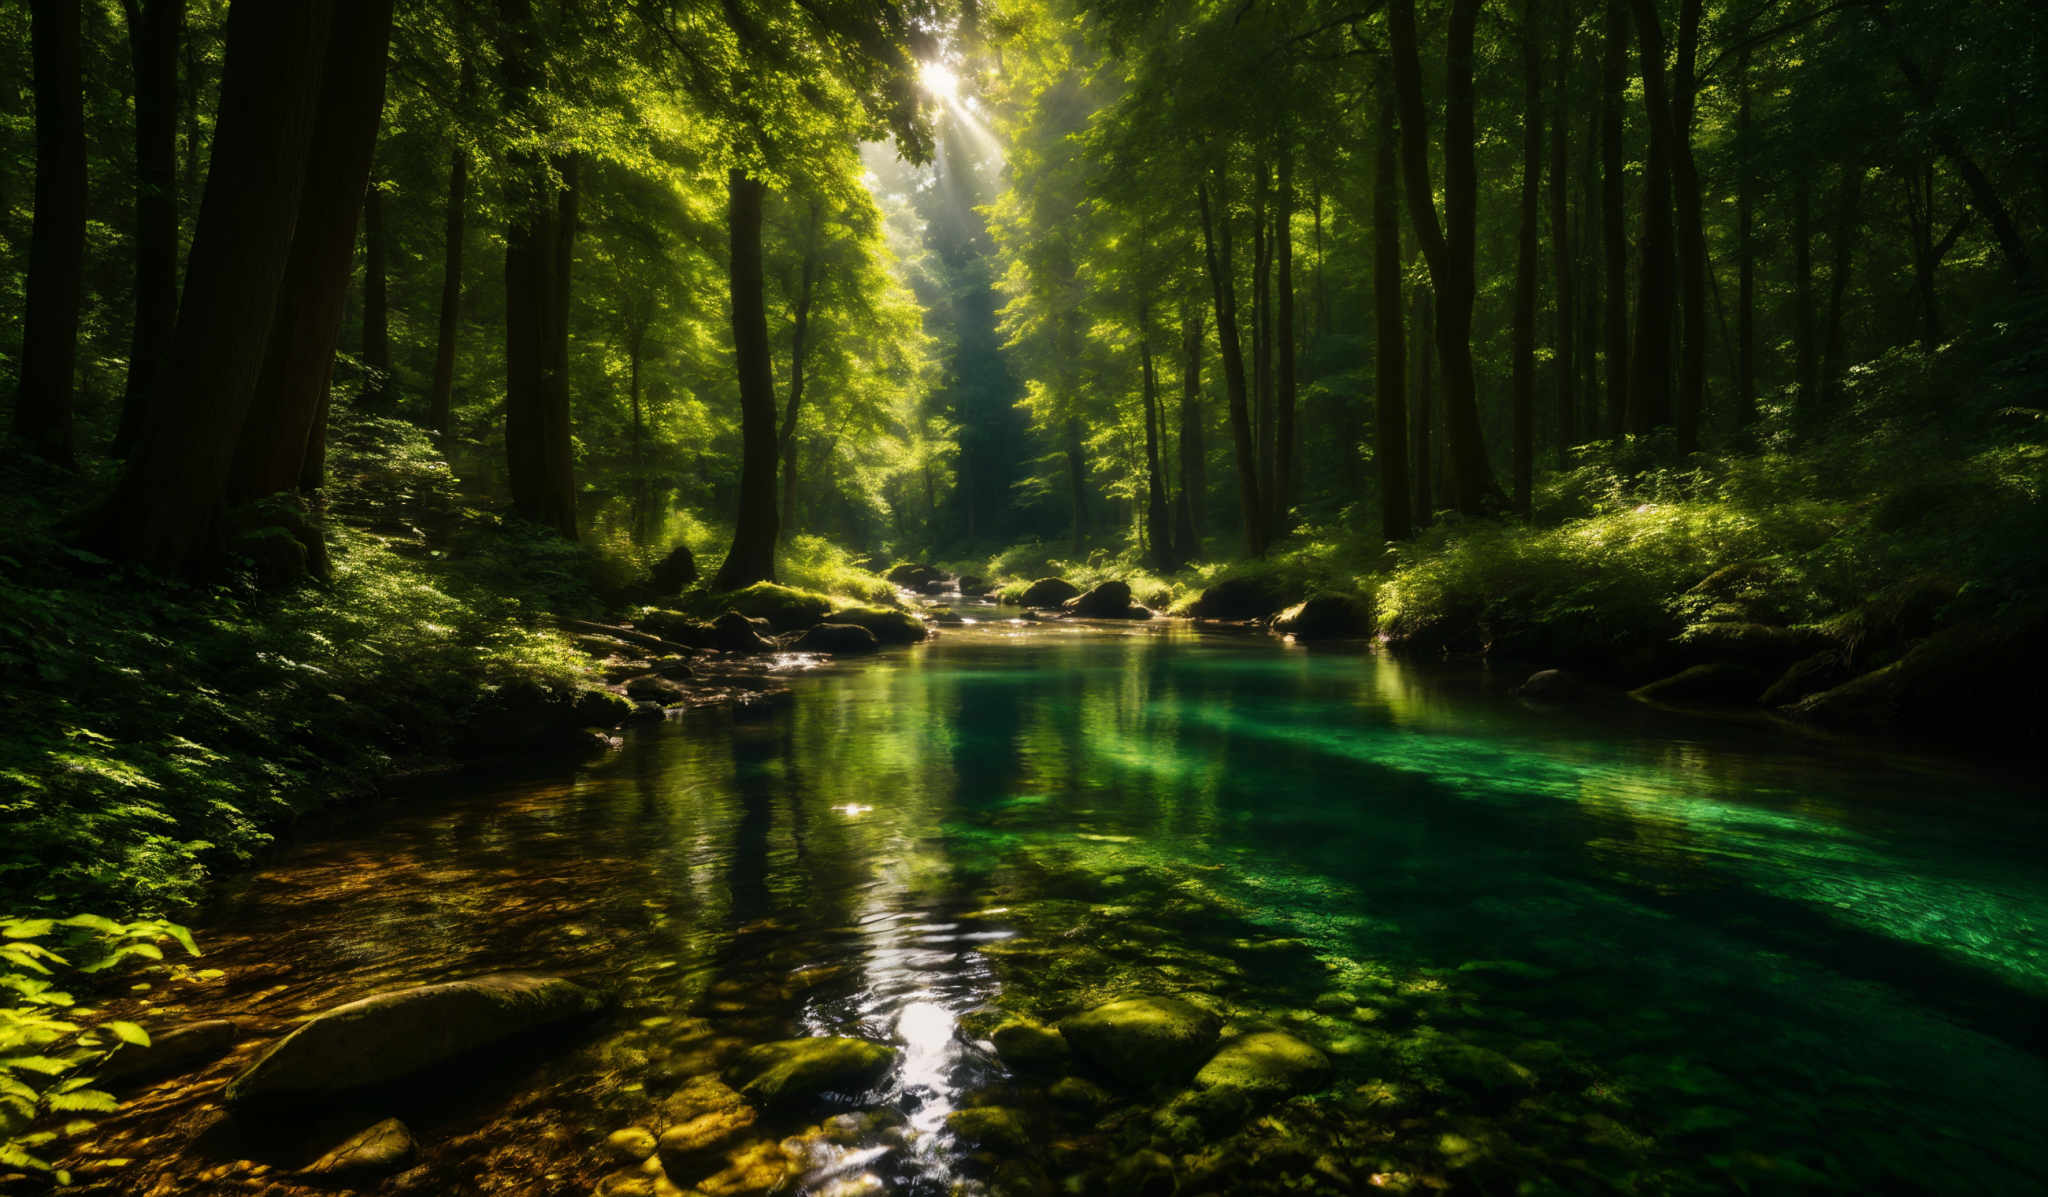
x=940, y=81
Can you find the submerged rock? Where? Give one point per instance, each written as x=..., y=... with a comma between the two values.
x=887, y=626
x=1028, y=1047
x=168, y=1053
x=393, y=1035
x=1079, y=1095
x=1143, y=1041
x=385, y=1147
x=654, y=688
x=797, y=1071
x=1144, y=1174
x=1265, y=1065
x=992, y=1127
x=1326, y=617
x=631, y=1145
x=1481, y=1070
x=838, y=639
x=1552, y=685
x=1048, y=592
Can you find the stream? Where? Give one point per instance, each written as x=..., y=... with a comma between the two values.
x=1688, y=954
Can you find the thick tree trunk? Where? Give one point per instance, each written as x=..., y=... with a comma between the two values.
x=1524, y=332
x=441, y=393
x=1283, y=348
x=1745, y=251
x=798, y=337
x=56, y=247
x=1804, y=396
x=752, y=557
x=1561, y=249
x=1188, y=512
x=558, y=444
x=1649, y=405
x=1262, y=346
x=376, y=392
x=273, y=451
x=1692, y=237
x=1614, y=214
x=1390, y=440
x=1848, y=227
x=1158, y=526
x=1421, y=405
x=1449, y=249
x=165, y=512
x=153, y=34
x=1216, y=252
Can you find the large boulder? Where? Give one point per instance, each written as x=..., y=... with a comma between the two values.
x=1238, y=599
x=1141, y=1042
x=1251, y=1072
x=786, y=608
x=735, y=633
x=1030, y=1048
x=1048, y=592
x=1724, y=682
x=1110, y=600
x=888, y=626
x=673, y=572
x=394, y=1035
x=676, y=627
x=797, y=1072
x=915, y=575
x=1326, y=617
x=838, y=639
x=1552, y=685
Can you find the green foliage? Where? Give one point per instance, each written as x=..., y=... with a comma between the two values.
x=814, y=563
x=49, y=1045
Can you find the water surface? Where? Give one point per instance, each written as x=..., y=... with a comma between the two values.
x=1719, y=956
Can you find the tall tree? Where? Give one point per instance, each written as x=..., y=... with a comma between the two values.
x=1390, y=447
x=1524, y=334
x=1189, y=508
x=752, y=555
x=1649, y=391
x=799, y=335
x=154, y=30
x=1561, y=242
x=1284, y=449
x=165, y=511
x=441, y=391
x=1745, y=245
x=1447, y=248
x=56, y=248
x=1692, y=234
x=1614, y=213
x=1216, y=254
x=376, y=393
x=1158, y=527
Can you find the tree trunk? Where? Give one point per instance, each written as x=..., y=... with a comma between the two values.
x=1745, y=251
x=1283, y=348
x=1692, y=237
x=1804, y=396
x=1390, y=381
x=1262, y=347
x=1216, y=253
x=153, y=34
x=376, y=392
x=56, y=247
x=558, y=444
x=1077, y=484
x=275, y=449
x=752, y=557
x=165, y=512
x=1157, y=525
x=441, y=394
x=636, y=345
x=1561, y=248
x=1422, y=400
x=1848, y=225
x=1449, y=250
x=1188, y=513
x=1524, y=333
x=1614, y=215
x=1649, y=390
x=796, y=368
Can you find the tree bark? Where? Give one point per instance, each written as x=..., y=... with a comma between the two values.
x=441, y=393
x=1216, y=253
x=1745, y=251
x=275, y=450
x=1158, y=527
x=1188, y=512
x=1561, y=248
x=1390, y=440
x=153, y=34
x=1262, y=346
x=165, y=511
x=1692, y=237
x=752, y=557
x=1649, y=389
x=1804, y=397
x=376, y=391
x=56, y=247
x=1614, y=214
x=1283, y=348
x=1422, y=380
x=798, y=337
x=1848, y=226
x=1449, y=249
x=1524, y=331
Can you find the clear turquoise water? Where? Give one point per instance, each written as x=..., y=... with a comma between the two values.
x=1725, y=957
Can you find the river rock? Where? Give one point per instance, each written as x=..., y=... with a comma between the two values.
x=170, y=1052
x=654, y=688
x=1048, y=592
x=792, y=1072
x=1722, y=682
x=385, y=1147
x=1079, y=1095
x=1326, y=617
x=914, y=575
x=993, y=1127
x=889, y=627
x=630, y=1145
x=735, y=633
x=677, y=628
x=1237, y=599
x=1251, y=1072
x=1110, y=600
x=838, y=639
x=1144, y=1174
x=1552, y=685
x=1481, y=1070
x=1143, y=1041
x=1028, y=1047
x=394, y=1035
x=602, y=708
x=786, y=608
x=673, y=572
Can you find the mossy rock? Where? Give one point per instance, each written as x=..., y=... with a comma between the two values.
x=786, y=608
x=914, y=575
x=994, y=1128
x=1238, y=598
x=837, y=639
x=1029, y=1048
x=797, y=1072
x=1049, y=593
x=1144, y=1174
x=676, y=627
x=602, y=708
x=887, y=626
x=1141, y=1042
x=1481, y=1070
x=1326, y=617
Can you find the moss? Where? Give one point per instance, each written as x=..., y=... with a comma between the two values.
x=786, y=608
x=889, y=626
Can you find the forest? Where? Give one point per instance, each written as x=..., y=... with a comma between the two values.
x=1022, y=596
